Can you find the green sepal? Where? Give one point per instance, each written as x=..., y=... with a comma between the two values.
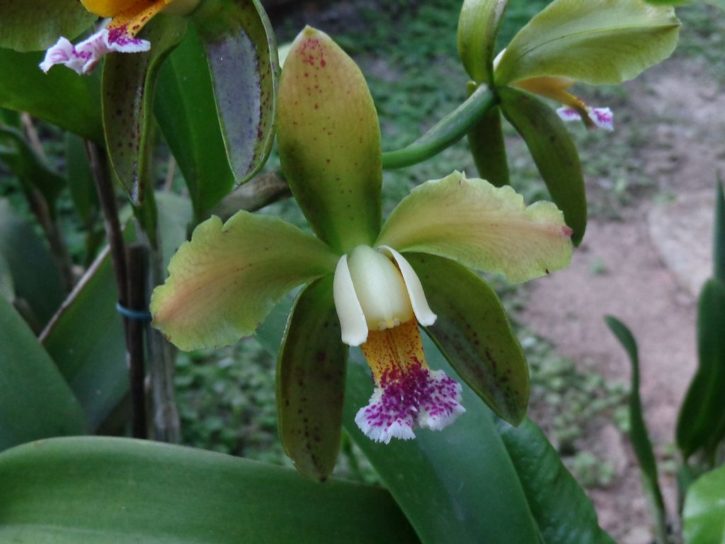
x=554, y=153
x=34, y=25
x=329, y=141
x=701, y=421
x=703, y=516
x=241, y=55
x=311, y=382
x=477, y=29
x=474, y=334
x=599, y=42
x=128, y=87
x=488, y=148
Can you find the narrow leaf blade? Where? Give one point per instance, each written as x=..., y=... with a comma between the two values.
x=489, y=148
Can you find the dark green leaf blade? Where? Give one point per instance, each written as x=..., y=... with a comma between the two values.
x=80, y=180
x=32, y=25
x=489, y=148
x=242, y=57
x=553, y=151
x=121, y=491
x=563, y=512
x=60, y=97
x=311, y=382
x=35, y=401
x=704, y=513
x=128, y=91
x=718, y=255
x=474, y=334
x=701, y=421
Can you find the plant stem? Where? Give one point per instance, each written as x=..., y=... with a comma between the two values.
x=137, y=262
x=445, y=133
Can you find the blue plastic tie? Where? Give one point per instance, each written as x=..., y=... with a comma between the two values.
x=136, y=315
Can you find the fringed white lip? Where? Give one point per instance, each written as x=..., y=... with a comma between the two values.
x=602, y=117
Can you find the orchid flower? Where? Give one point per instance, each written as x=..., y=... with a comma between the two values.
x=366, y=286
x=119, y=34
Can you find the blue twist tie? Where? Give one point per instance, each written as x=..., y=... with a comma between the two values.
x=136, y=315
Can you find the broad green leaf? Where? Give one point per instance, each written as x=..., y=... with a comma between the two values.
x=32, y=25
x=60, y=97
x=35, y=275
x=554, y=153
x=701, y=422
x=186, y=112
x=718, y=254
x=122, y=491
x=128, y=93
x=704, y=513
x=311, y=382
x=445, y=133
x=480, y=226
x=488, y=148
x=242, y=58
x=598, y=42
x=638, y=433
x=80, y=179
x=229, y=276
x=477, y=29
x=329, y=141
x=30, y=169
x=35, y=401
x=562, y=510
x=474, y=334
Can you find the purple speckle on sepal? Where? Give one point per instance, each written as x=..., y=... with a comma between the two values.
x=601, y=117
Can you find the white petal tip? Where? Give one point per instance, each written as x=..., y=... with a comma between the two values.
x=601, y=117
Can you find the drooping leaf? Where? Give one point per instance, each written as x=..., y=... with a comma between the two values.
x=489, y=148
x=121, y=491
x=445, y=133
x=186, y=112
x=311, y=382
x=329, y=141
x=242, y=58
x=704, y=513
x=229, y=276
x=474, y=334
x=594, y=41
x=477, y=30
x=60, y=97
x=128, y=92
x=35, y=401
x=480, y=226
x=554, y=153
x=35, y=275
x=563, y=512
x=701, y=421
x=32, y=25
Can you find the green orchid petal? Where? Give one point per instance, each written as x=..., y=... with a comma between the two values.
x=329, y=141
x=474, y=334
x=592, y=41
x=477, y=29
x=311, y=382
x=226, y=280
x=480, y=226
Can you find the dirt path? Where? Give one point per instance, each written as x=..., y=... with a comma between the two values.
x=646, y=270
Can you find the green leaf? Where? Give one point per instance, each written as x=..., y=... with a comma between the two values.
x=121, y=491
x=553, y=151
x=35, y=401
x=477, y=29
x=445, y=133
x=638, y=433
x=36, y=278
x=128, y=93
x=185, y=111
x=480, y=226
x=80, y=179
x=242, y=58
x=60, y=97
x=32, y=25
x=598, y=42
x=488, y=148
x=7, y=285
x=701, y=422
x=229, y=276
x=329, y=141
x=704, y=512
x=562, y=510
x=718, y=254
x=311, y=382
x=474, y=334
